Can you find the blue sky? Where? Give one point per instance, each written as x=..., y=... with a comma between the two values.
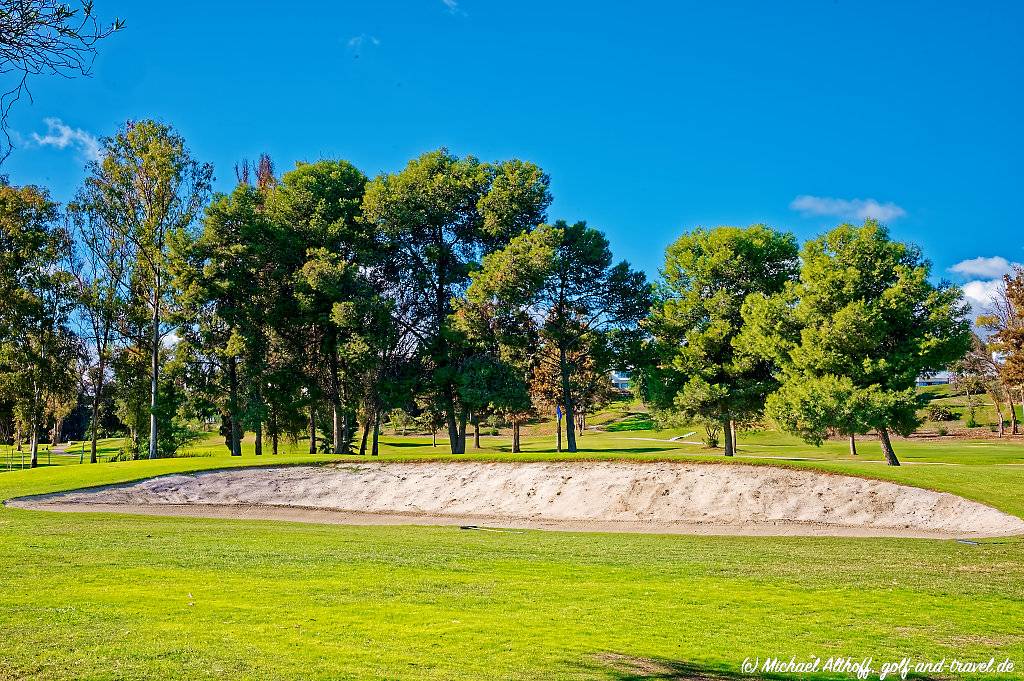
x=651, y=117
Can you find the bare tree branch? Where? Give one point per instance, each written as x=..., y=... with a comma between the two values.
x=45, y=37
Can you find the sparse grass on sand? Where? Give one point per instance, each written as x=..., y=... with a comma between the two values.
x=133, y=597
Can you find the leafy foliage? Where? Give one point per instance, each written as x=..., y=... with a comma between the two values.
x=852, y=335
x=698, y=370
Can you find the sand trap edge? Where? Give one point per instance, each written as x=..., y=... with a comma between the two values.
x=307, y=514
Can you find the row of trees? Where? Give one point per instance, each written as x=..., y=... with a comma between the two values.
x=827, y=339
x=317, y=301
x=322, y=300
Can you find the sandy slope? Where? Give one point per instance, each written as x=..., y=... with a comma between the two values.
x=644, y=497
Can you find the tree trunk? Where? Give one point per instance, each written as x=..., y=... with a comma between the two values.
x=463, y=419
x=558, y=441
x=735, y=440
x=366, y=434
x=570, y=415
x=1013, y=411
x=273, y=442
x=727, y=436
x=335, y=390
x=257, y=397
x=312, y=429
x=18, y=436
x=453, y=425
x=58, y=432
x=853, y=445
x=33, y=446
x=235, y=433
x=346, y=437
x=37, y=397
x=999, y=413
x=890, y=455
x=376, y=432
x=515, y=436
x=476, y=431
x=433, y=438
x=97, y=396
x=335, y=427
x=154, y=369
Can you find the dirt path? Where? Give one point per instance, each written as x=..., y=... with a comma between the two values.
x=581, y=496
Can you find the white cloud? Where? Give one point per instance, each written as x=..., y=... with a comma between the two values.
x=452, y=5
x=856, y=209
x=357, y=41
x=61, y=136
x=981, y=293
x=984, y=268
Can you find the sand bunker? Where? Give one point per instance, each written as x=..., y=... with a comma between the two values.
x=583, y=496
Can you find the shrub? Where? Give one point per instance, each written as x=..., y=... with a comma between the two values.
x=943, y=431
x=711, y=432
x=940, y=412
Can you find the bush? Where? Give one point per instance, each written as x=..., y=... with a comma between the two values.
x=171, y=439
x=940, y=412
x=943, y=431
x=711, y=432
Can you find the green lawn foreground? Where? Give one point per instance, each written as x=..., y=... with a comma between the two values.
x=122, y=597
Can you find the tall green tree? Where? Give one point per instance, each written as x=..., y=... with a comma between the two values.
x=145, y=188
x=563, y=274
x=859, y=326
x=221, y=283
x=100, y=264
x=438, y=217
x=38, y=350
x=328, y=248
x=708, y=274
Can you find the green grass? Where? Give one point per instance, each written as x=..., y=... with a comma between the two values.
x=631, y=422
x=120, y=596
x=73, y=453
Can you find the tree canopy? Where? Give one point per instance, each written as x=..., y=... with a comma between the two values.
x=857, y=328
x=708, y=274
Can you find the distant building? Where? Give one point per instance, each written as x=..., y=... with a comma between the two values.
x=938, y=378
x=620, y=379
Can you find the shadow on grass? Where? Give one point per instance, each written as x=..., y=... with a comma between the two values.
x=629, y=668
